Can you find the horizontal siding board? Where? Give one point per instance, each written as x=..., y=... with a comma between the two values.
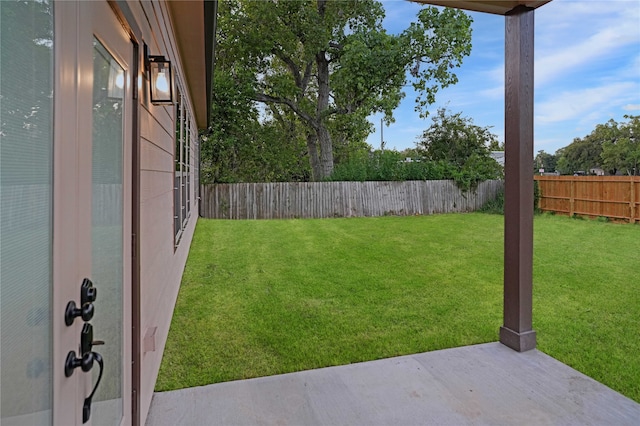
x=154, y=158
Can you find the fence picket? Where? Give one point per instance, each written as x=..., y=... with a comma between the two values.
x=606, y=196
x=288, y=200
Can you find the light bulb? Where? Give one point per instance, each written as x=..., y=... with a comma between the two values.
x=161, y=82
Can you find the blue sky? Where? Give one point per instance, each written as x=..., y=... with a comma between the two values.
x=587, y=71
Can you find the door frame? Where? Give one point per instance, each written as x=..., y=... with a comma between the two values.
x=124, y=14
x=73, y=79
x=128, y=22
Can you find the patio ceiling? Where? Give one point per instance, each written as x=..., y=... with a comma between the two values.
x=498, y=7
x=193, y=23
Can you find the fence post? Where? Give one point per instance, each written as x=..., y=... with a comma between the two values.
x=572, y=200
x=632, y=203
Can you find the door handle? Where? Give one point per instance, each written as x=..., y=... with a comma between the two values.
x=86, y=407
x=72, y=311
x=85, y=362
x=88, y=295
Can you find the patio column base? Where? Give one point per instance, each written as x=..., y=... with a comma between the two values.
x=520, y=342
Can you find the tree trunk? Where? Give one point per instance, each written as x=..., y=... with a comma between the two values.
x=314, y=161
x=324, y=138
x=326, y=151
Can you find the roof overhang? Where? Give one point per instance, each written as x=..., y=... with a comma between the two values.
x=497, y=7
x=193, y=23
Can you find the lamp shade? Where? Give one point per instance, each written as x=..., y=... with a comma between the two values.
x=160, y=80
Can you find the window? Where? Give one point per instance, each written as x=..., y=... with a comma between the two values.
x=26, y=208
x=196, y=168
x=186, y=135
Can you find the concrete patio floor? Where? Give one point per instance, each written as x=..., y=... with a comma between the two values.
x=483, y=384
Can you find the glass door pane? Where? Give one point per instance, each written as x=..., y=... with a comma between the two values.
x=26, y=139
x=107, y=230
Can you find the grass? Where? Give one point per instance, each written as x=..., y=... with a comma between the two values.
x=268, y=297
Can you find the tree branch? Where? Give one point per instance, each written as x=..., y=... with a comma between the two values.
x=322, y=7
x=307, y=76
x=291, y=65
x=261, y=97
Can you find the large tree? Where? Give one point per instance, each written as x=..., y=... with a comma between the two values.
x=581, y=155
x=613, y=146
x=332, y=64
x=621, y=150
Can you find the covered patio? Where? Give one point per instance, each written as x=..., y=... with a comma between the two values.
x=486, y=384
x=506, y=382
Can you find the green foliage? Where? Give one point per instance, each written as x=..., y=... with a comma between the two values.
x=613, y=146
x=262, y=155
x=463, y=146
x=621, y=151
x=496, y=206
x=536, y=196
x=582, y=154
x=545, y=161
x=238, y=147
x=268, y=297
x=331, y=63
x=451, y=148
x=455, y=139
x=388, y=165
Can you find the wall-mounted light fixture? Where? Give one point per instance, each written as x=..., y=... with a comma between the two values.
x=160, y=78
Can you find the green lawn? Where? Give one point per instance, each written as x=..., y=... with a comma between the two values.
x=268, y=297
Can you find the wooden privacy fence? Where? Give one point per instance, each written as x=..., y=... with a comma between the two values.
x=616, y=197
x=287, y=200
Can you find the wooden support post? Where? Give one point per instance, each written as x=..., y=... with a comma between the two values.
x=517, y=332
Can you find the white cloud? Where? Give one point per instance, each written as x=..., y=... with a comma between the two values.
x=555, y=64
x=631, y=107
x=576, y=104
x=573, y=34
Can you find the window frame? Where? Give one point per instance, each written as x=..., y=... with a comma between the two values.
x=183, y=158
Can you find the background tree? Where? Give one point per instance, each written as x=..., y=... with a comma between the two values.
x=454, y=138
x=496, y=145
x=621, y=151
x=579, y=155
x=463, y=146
x=545, y=161
x=613, y=146
x=324, y=59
